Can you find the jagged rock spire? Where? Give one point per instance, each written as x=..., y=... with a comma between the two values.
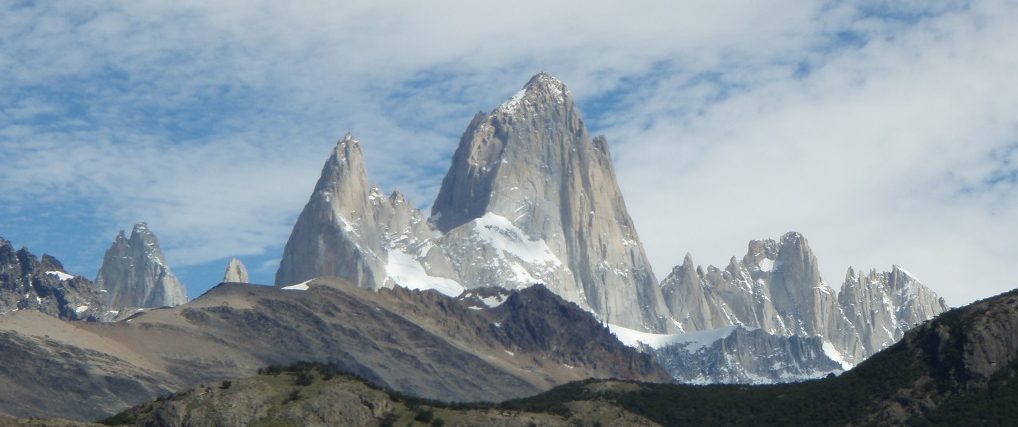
x=134, y=272
x=531, y=161
x=777, y=287
x=30, y=283
x=884, y=305
x=529, y=198
x=347, y=226
x=236, y=272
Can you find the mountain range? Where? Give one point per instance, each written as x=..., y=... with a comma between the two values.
x=527, y=273
x=531, y=198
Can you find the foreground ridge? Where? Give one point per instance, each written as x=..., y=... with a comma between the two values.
x=957, y=369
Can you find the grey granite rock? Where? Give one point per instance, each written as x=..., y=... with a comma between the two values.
x=348, y=227
x=30, y=283
x=884, y=305
x=236, y=272
x=529, y=198
x=531, y=165
x=134, y=273
x=777, y=287
x=745, y=356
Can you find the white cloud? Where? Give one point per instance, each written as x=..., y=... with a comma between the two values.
x=211, y=120
x=870, y=156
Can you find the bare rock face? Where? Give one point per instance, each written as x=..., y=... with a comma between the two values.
x=696, y=305
x=530, y=170
x=530, y=198
x=236, y=272
x=30, y=283
x=747, y=356
x=349, y=228
x=884, y=305
x=777, y=287
x=134, y=273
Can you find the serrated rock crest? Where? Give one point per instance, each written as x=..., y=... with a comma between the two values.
x=529, y=198
x=134, y=273
x=777, y=287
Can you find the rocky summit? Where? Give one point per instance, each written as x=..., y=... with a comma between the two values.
x=134, y=272
x=776, y=288
x=884, y=305
x=529, y=198
x=236, y=272
x=30, y=283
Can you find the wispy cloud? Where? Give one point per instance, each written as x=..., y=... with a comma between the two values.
x=885, y=133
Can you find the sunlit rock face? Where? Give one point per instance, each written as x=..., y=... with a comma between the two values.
x=529, y=198
x=134, y=273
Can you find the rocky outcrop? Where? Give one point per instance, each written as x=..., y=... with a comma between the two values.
x=529, y=198
x=348, y=228
x=884, y=305
x=236, y=272
x=775, y=287
x=134, y=273
x=532, y=163
x=747, y=356
x=30, y=283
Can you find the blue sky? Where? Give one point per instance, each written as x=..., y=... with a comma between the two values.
x=886, y=132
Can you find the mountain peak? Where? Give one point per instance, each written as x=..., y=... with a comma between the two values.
x=533, y=160
x=896, y=269
x=141, y=234
x=344, y=174
x=348, y=147
x=546, y=82
x=134, y=273
x=236, y=272
x=792, y=237
x=687, y=261
x=542, y=89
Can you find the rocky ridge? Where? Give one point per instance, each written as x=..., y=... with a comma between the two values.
x=42, y=284
x=885, y=305
x=776, y=290
x=421, y=343
x=134, y=273
x=748, y=356
x=958, y=369
x=777, y=287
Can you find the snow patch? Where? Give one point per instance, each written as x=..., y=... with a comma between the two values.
x=404, y=270
x=494, y=301
x=303, y=286
x=500, y=233
x=80, y=309
x=836, y=356
x=689, y=340
x=513, y=103
x=766, y=265
x=60, y=275
x=347, y=226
